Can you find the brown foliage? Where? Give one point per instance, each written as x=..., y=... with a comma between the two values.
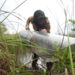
x=4, y=67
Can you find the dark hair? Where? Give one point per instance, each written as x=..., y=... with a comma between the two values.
x=39, y=20
x=38, y=14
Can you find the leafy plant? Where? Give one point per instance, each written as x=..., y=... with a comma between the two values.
x=72, y=21
x=2, y=28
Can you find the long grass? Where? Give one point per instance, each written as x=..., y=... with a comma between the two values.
x=13, y=11
x=11, y=45
x=3, y=4
x=71, y=58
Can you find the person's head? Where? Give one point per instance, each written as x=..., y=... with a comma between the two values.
x=39, y=14
x=39, y=19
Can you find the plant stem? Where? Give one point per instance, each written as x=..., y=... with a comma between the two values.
x=12, y=11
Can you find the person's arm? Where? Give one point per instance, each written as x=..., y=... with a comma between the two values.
x=48, y=25
x=28, y=22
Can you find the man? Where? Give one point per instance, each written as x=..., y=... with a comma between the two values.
x=39, y=21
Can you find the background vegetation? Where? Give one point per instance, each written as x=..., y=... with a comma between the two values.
x=10, y=44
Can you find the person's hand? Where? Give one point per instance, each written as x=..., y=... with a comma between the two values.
x=27, y=27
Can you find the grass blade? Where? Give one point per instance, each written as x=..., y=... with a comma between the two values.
x=12, y=11
x=3, y=4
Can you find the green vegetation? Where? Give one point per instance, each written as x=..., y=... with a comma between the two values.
x=11, y=44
